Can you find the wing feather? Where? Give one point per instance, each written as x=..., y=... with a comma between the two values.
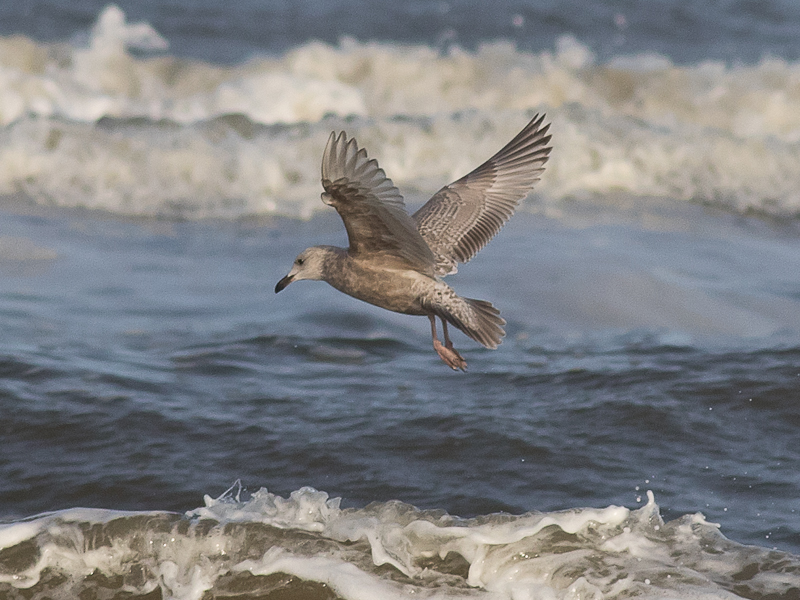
x=461, y=218
x=370, y=206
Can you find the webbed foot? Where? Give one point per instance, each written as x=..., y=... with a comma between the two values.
x=450, y=356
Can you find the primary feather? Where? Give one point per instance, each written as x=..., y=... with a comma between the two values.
x=370, y=205
x=464, y=216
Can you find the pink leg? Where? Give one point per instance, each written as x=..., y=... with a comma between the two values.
x=447, y=343
x=446, y=352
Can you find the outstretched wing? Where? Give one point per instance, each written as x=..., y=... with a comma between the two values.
x=370, y=205
x=464, y=216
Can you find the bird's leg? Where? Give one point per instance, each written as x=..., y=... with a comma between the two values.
x=446, y=352
x=449, y=345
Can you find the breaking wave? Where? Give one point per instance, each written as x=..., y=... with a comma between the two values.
x=115, y=122
x=307, y=546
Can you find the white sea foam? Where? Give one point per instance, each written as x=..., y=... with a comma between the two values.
x=208, y=140
x=389, y=551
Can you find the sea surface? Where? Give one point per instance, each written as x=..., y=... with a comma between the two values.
x=170, y=428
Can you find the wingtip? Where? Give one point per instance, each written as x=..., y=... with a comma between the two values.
x=540, y=128
x=326, y=154
x=341, y=154
x=538, y=131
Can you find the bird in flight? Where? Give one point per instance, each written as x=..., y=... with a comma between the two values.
x=396, y=260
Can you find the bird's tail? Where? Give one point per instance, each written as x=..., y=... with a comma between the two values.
x=478, y=319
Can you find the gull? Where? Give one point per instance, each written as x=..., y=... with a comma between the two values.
x=396, y=260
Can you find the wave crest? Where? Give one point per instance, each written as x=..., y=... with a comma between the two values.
x=97, y=124
x=385, y=550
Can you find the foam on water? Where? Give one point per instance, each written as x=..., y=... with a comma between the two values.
x=308, y=543
x=96, y=123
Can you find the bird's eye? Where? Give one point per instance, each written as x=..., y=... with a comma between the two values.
x=299, y=261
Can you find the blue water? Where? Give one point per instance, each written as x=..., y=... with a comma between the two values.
x=686, y=32
x=159, y=171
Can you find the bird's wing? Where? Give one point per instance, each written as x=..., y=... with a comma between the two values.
x=371, y=206
x=462, y=217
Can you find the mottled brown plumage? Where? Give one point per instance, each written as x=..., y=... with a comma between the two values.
x=461, y=218
x=396, y=261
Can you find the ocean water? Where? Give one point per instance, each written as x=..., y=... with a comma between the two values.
x=170, y=428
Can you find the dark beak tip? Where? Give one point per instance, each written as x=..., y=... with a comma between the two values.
x=282, y=284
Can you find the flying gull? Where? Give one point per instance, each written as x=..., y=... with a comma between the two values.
x=396, y=260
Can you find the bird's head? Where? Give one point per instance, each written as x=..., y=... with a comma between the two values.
x=309, y=264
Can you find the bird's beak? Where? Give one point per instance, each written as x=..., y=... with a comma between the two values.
x=283, y=282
